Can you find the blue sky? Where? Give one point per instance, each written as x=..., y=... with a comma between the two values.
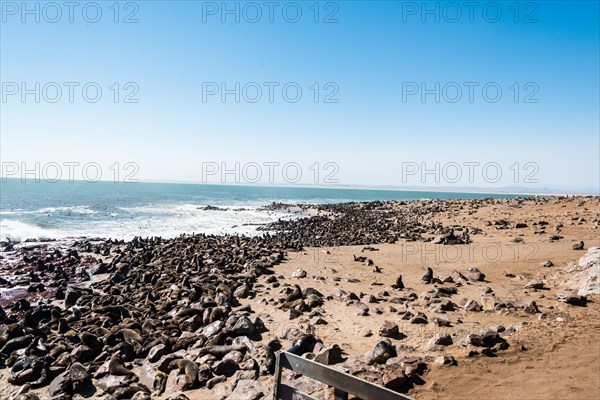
x=370, y=58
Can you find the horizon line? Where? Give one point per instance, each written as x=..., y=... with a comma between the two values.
x=507, y=190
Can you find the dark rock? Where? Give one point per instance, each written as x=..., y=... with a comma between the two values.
x=535, y=284
x=389, y=329
x=440, y=339
x=330, y=356
x=247, y=389
x=383, y=351
x=441, y=322
x=225, y=367
x=74, y=380
x=531, y=308
x=243, y=327
x=156, y=352
x=475, y=274
x=71, y=297
x=547, y=264
x=472, y=305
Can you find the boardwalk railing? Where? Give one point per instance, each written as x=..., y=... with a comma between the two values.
x=342, y=383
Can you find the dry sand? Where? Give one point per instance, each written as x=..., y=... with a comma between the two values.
x=562, y=357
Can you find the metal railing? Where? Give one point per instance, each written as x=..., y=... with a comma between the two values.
x=342, y=383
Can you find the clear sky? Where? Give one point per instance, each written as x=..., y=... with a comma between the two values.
x=370, y=116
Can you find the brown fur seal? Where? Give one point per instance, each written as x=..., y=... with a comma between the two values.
x=216, y=313
x=399, y=284
x=304, y=344
x=224, y=289
x=292, y=304
x=221, y=351
x=160, y=382
x=128, y=391
x=428, y=277
x=295, y=295
x=188, y=312
x=189, y=368
x=91, y=341
x=128, y=335
x=115, y=367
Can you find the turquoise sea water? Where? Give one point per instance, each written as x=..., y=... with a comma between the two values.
x=124, y=210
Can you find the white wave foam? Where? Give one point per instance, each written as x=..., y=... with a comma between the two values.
x=10, y=212
x=169, y=220
x=18, y=231
x=51, y=210
x=174, y=219
x=73, y=209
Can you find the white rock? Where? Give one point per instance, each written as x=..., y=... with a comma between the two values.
x=299, y=273
x=584, y=277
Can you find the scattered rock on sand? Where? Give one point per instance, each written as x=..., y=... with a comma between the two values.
x=299, y=273
x=389, y=329
x=383, y=351
x=547, y=264
x=330, y=356
x=531, y=308
x=584, y=277
x=535, y=284
x=474, y=274
x=472, y=305
x=445, y=360
x=439, y=340
x=490, y=302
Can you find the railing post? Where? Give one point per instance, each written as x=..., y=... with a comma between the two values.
x=339, y=394
x=277, y=377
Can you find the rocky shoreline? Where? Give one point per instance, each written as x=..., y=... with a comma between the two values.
x=183, y=317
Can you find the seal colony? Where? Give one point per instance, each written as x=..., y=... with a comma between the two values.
x=153, y=317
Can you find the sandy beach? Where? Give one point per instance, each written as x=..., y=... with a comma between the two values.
x=508, y=309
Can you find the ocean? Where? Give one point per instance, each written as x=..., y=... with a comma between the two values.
x=58, y=210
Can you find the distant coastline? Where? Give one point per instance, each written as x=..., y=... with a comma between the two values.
x=508, y=190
